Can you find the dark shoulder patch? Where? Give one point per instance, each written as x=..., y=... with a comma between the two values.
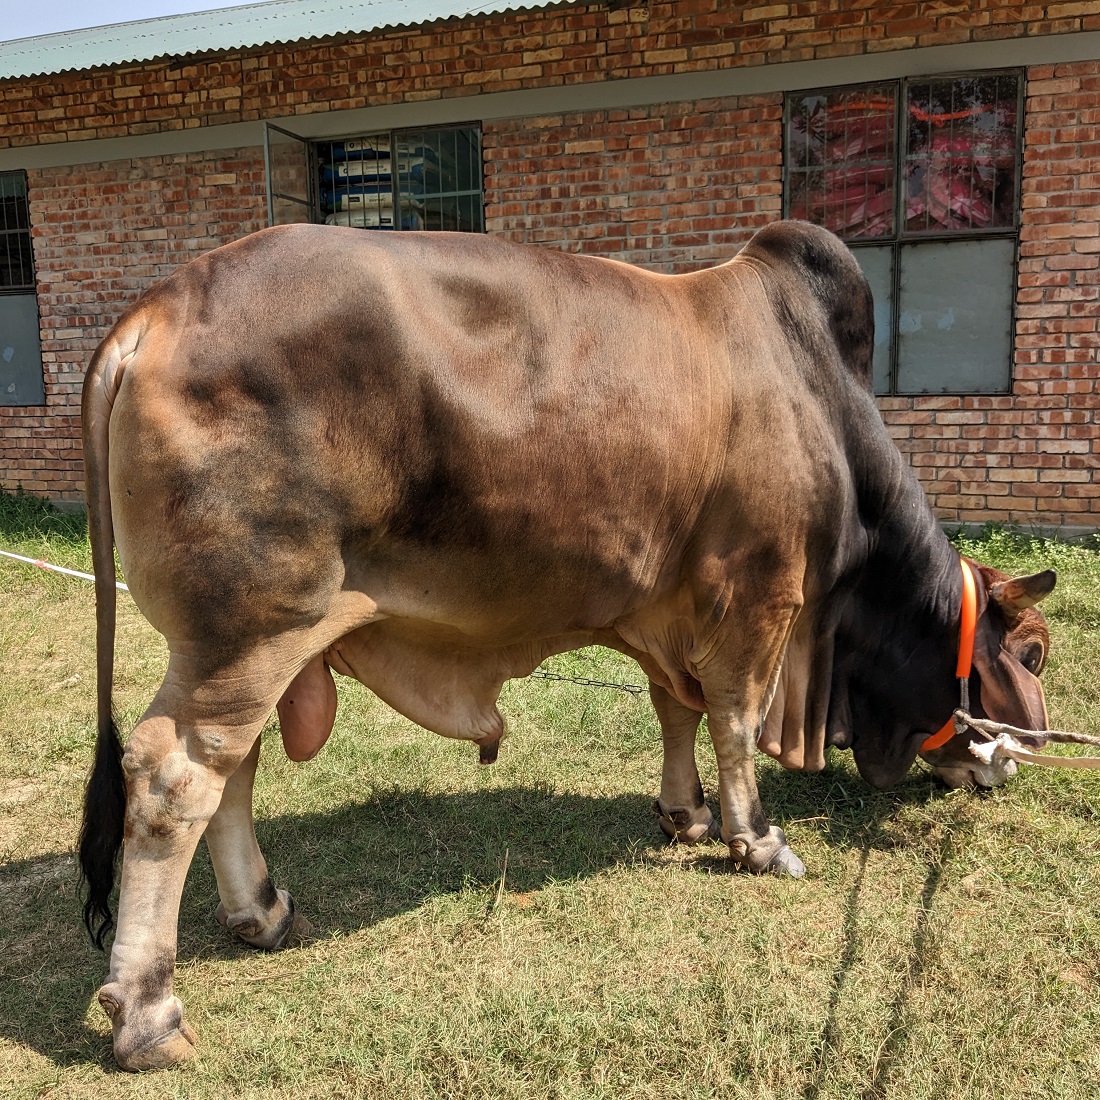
x=437, y=506
x=813, y=250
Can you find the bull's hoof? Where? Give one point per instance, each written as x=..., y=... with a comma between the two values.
x=687, y=826
x=177, y=1048
x=768, y=854
x=149, y=1036
x=786, y=863
x=267, y=930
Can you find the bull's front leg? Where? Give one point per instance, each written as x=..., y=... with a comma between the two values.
x=175, y=775
x=682, y=811
x=754, y=843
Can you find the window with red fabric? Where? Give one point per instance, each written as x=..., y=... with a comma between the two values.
x=921, y=178
x=960, y=160
x=841, y=160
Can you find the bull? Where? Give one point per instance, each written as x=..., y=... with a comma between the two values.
x=431, y=461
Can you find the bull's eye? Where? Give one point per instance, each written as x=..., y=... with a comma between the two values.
x=1032, y=658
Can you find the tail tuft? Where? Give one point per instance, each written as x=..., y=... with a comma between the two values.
x=101, y=831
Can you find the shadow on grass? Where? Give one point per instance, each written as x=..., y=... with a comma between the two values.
x=828, y=1048
x=362, y=863
x=370, y=861
x=889, y=1055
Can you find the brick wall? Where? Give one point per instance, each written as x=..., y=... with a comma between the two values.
x=671, y=187
x=682, y=185
x=1031, y=458
x=674, y=187
x=102, y=234
x=497, y=53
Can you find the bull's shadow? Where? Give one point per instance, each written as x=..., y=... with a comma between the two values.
x=368, y=861
x=372, y=860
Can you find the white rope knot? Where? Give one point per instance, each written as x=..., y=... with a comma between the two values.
x=1001, y=743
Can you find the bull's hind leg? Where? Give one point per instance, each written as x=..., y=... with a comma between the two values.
x=178, y=761
x=251, y=906
x=682, y=811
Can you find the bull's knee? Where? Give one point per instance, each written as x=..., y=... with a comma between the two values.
x=266, y=922
x=169, y=795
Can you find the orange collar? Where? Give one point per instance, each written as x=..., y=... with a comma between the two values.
x=969, y=620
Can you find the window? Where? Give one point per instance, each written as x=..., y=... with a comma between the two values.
x=16, y=262
x=20, y=350
x=921, y=178
x=394, y=179
x=409, y=179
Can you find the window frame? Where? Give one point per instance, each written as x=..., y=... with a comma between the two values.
x=902, y=237
x=24, y=383
x=5, y=233
x=394, y=136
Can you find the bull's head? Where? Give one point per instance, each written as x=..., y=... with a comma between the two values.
x=1010, y=649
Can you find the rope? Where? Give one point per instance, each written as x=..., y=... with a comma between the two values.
x=1002, y=743
x=633, y=689
x=1001, y=737
x=56, y=568
x=584, y=681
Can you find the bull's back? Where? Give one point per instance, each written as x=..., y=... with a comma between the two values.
x=490, y=424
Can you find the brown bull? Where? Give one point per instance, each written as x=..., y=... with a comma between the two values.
x=432, y=461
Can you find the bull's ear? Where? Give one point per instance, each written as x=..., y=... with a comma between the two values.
x=1013, y=596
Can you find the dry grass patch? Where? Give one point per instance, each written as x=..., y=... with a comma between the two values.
x=521, y=931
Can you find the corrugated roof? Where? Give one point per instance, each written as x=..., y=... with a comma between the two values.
x=226, y=29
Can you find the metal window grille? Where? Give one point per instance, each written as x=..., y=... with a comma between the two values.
x=21, y=381
x=841, y=160
x=16, y=257
x=407, y=179
x=961, y=164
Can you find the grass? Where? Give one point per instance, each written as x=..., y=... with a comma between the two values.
x=521, y=931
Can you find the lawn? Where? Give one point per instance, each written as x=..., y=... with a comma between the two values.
x=523, y=931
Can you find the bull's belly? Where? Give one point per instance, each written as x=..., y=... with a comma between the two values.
x=453, y=627
x=444, y=681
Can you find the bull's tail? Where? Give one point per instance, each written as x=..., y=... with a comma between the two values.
x=105, y=796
